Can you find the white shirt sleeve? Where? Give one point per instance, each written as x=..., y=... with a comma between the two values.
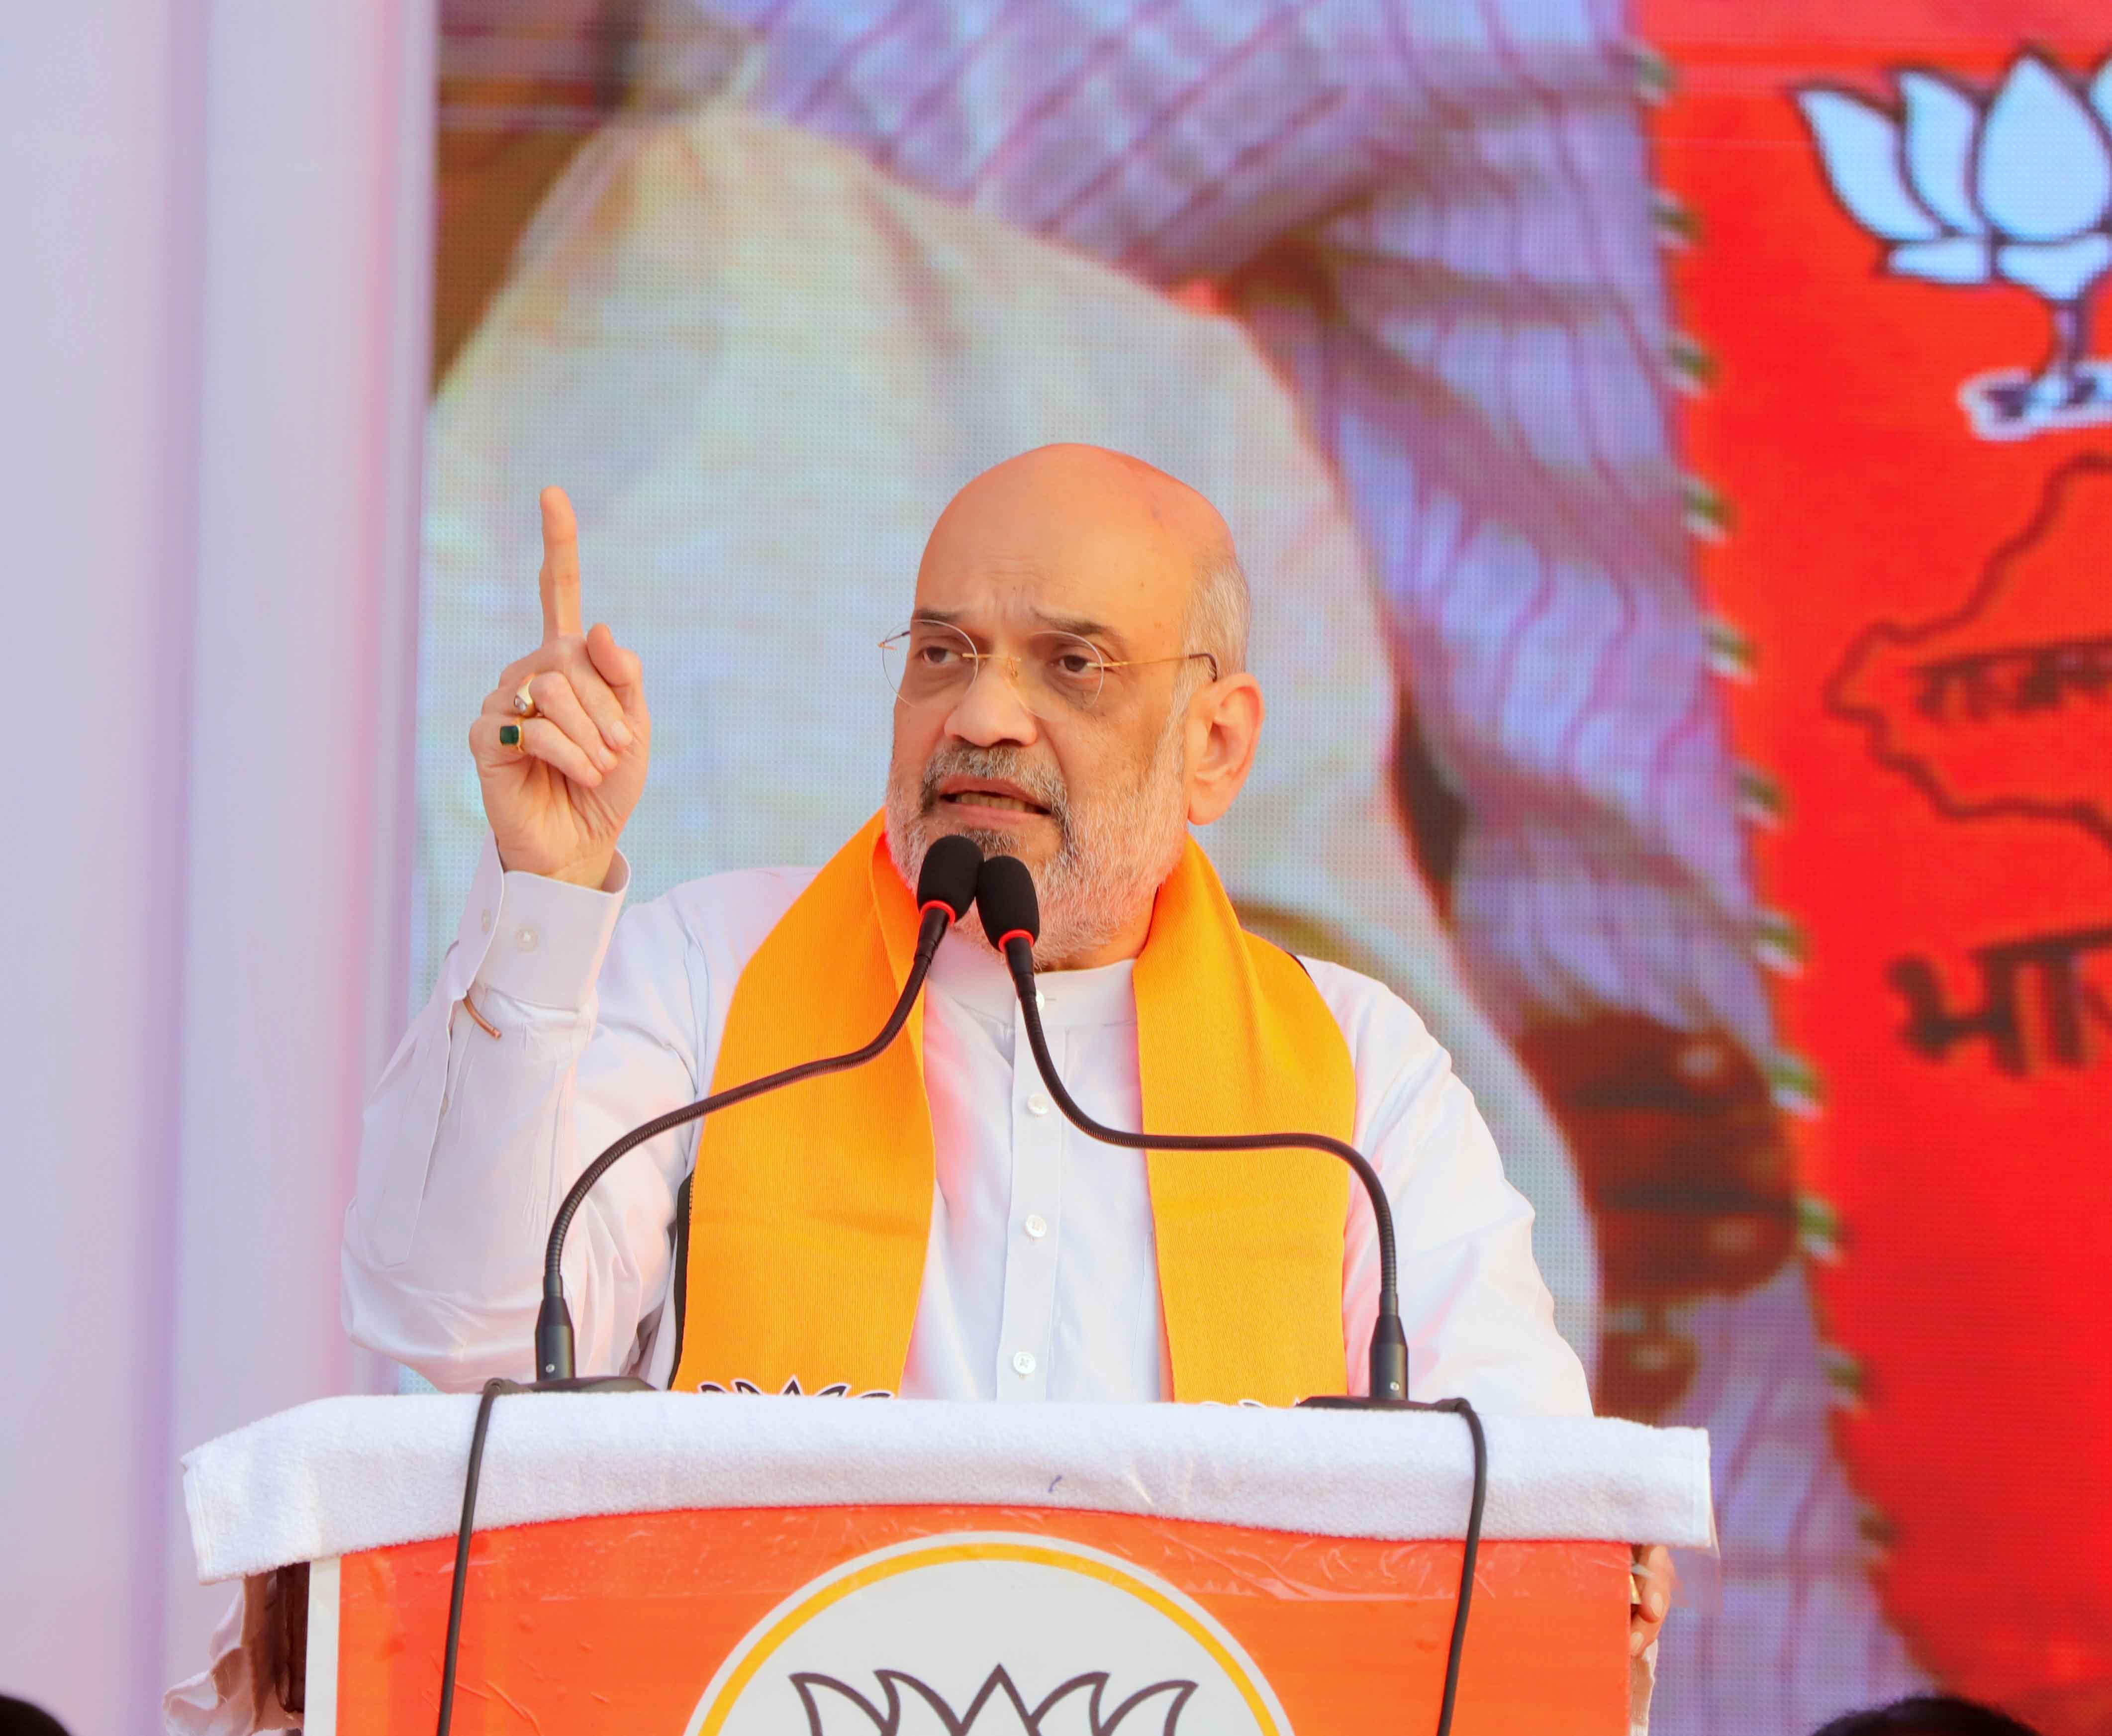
x=1480, y=1320
x=470, y=1141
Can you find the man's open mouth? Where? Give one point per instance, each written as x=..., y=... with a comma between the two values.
x=1006, y=800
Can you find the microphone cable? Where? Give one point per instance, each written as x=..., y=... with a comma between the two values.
x=492, y=1390
x=1010, y=909
x=944, y=892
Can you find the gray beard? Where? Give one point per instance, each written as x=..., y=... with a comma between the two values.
x=1112, y=854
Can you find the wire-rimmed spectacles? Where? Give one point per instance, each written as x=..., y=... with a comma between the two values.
x=933, y=662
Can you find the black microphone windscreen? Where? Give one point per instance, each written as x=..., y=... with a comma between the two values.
x=1006, y=901
x=950, y=868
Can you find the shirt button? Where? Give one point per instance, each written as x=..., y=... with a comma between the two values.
x=1037, y=1104
x=527, y=938
x=487, y=921
x=1036, y=1225
x=1022, y=1362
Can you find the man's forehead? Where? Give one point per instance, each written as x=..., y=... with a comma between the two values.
x=1066, y=534
x=1075, y=597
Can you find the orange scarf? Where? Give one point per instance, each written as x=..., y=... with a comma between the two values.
x=810, y=1207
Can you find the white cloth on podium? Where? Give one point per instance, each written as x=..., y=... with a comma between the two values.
x=343, y=1474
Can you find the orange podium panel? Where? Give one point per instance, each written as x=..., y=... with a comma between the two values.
x=889, y=1621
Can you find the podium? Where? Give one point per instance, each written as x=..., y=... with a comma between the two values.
x=832, y=1566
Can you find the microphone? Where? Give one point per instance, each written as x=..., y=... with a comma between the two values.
x=1011, y=917
x=1011, y=913
x=944, y=890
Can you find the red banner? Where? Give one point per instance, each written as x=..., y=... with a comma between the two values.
x=1896, y=224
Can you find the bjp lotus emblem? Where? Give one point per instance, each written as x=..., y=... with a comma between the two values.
x=988, y=1633
x=905, y=1706
x=2014, y=187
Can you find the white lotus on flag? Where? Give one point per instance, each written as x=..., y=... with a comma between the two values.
x=2013, y=187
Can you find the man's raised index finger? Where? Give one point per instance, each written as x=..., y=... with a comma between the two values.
x=560, y=578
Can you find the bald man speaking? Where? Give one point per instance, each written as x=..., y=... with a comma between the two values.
x=1071, y=688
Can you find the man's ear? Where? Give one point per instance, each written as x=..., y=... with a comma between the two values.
x=1224, y=723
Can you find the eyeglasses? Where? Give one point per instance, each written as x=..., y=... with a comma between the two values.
x=931, y=663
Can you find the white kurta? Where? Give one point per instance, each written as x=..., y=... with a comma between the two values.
x=1040, y=1279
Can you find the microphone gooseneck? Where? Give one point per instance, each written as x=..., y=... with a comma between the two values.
x=945, y=891
x=1011, y=915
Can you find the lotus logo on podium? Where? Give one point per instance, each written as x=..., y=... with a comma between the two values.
x=988, y=1634
x=2014, y=187
x=908, y=1707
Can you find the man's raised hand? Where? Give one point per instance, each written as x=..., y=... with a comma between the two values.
x=558, y=794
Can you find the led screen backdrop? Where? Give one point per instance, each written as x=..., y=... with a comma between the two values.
x=1675, y=469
